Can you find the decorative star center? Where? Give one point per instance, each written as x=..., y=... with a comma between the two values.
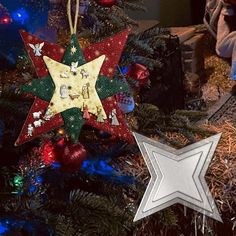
x=75, y=90
x=73, y=50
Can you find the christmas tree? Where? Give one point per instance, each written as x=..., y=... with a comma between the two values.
x=77, y=170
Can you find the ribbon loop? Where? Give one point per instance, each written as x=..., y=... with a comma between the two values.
x=73, y=28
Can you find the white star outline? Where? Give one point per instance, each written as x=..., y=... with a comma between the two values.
x=177, y=176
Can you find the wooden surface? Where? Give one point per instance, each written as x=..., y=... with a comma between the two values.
x=184, y=33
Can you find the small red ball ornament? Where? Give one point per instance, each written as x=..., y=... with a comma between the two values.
x=106, y=3
x=73, y=156
x=139, y=73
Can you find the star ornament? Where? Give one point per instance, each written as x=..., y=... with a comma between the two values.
x=73, y=119
x=177, y=176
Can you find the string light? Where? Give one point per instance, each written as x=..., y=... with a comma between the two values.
x=18, y=181
x=3, y=228
x=5, y=20
x=61, y=131
x=20, y=16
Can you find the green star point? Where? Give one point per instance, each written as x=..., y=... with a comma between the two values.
x=73, y=126
x=107, y=87
x=78, y=56
x=42, y=88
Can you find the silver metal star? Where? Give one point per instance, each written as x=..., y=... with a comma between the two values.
x=177, y=176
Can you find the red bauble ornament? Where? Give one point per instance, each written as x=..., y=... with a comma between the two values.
x=49, y=153
x=106, y=3
x=60, y=144
x=139, y=73
x=73, y=156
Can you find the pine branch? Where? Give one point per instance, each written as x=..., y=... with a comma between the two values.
x=65, y=226
x=192, y=115
x=123, y=16
x=150, y=33
x=150, y=63
x=150, y=119
x=99, y=215
x=140, y=46
x=168, y=217
x=133, y=6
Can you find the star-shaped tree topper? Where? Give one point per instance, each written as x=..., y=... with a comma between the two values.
x=71, y=88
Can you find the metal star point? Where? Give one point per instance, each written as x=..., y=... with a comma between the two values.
x=177, y=176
